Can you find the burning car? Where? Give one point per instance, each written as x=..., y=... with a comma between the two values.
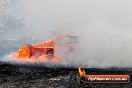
x=46, y=51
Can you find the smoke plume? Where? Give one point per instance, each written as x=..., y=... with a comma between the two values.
x=104, y=27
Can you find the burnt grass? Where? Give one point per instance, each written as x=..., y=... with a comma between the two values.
x=40, y=76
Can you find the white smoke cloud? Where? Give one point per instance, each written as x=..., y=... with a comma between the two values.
x=104, y=27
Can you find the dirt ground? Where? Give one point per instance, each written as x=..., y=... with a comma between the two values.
x=21, y=76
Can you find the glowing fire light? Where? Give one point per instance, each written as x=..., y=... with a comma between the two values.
x=41, y=58
x=81, y=71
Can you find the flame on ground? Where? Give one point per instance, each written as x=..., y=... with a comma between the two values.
x=81, y=71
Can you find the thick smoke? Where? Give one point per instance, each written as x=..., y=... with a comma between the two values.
x=104, y=27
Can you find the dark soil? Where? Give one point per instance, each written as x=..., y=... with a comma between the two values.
x=39, y=76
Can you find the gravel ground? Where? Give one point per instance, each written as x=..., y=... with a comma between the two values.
x=21, y=76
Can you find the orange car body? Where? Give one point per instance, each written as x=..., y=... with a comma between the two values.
x=48, y=48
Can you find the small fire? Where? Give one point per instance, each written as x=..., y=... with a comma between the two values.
x=81, y=71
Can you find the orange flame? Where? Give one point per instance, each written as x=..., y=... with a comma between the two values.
x=81, y=71
x=24, y=51
x=41, y=58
